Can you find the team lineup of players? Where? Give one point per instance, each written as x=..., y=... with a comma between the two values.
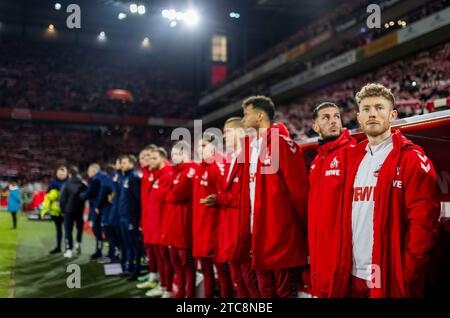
x=361, y=224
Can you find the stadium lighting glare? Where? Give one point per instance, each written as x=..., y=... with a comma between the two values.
x=57, y=6
x=122, y=16
x=141, y=9
x=414, y=83
x=51, y=30
x=234, y=15
x=133, y=8
x=191, y=18
x=171, y=14
x=145, y=42
x=101, y=37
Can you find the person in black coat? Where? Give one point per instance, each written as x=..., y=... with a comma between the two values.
x=72, y=207
x=92, y=194
x=105, y=206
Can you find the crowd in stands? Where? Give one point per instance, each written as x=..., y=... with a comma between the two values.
x=32, y=151
x=330, y=23
x=56, y=77
x=414, y=81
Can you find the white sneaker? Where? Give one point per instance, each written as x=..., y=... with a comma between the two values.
x=77, y=248
x=154, y=277
x=155, y=292
x=68, y=254
x=146, y=285
x=166, y=294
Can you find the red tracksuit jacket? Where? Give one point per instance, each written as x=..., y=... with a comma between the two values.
x=160, y=187
x=405, y=220
x=146, y=186
x=208, y=180
x=280, y=215
x=228, y=200
x=177, y=222
x=326, y=180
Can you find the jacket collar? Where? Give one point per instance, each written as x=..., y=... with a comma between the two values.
x=399, y=142
x=181, y=166
x=339, y=142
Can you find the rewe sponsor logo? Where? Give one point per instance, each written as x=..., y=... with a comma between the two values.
x=363, y=194
x=332, y=173
x=397, y=184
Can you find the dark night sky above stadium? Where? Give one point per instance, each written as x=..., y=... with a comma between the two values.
x=262, y=23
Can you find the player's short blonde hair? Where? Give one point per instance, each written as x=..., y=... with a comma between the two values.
x=375, y=90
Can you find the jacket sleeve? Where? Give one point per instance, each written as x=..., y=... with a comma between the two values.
x=164, y=184
x=63, y=198
x=228, y=198
x=92, y=190
x=293, y=171
x=49, y=198
x=105, y=190
x=183, y=190
x=136, y=199
x=422, y=215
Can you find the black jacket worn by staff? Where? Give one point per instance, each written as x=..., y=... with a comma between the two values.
x=70, y=200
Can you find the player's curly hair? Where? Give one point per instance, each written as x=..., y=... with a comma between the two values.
x=375, y=90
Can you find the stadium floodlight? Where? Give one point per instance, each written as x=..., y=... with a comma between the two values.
x=386, y=25
x=133, y=8
x=234, y=15
x=51, y=30
x=171, y=14
x=414, y=83
x=191, y=18
x=173, y=24
x=391, y=23
x=179, y=15
x=122, y=16
x=57, y=6
x=165, y=13
x=101, y=36
x=145, y=42
x=141, y=9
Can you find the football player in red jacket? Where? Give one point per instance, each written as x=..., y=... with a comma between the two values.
x=277, y=214
x=177, y=223
x=163, y=175
x=326, y=176
x=146, y=185
x=205, y=223
x=389, y=217
x=243, y=277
